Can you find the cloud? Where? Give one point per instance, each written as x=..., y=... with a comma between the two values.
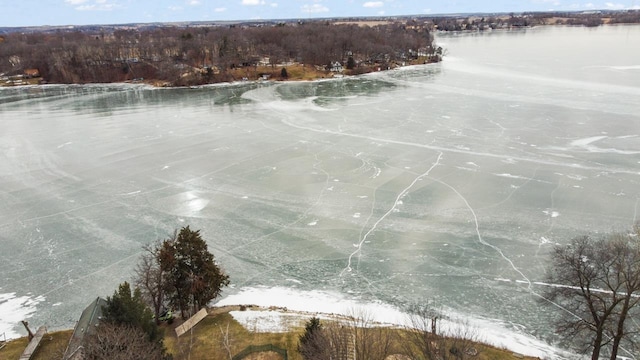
x=98, y=5
x=614, y=6
x=220, y=9
x=253, y=2
x=315, y=8
x=274, y=5
x=194, y=2
x=175, y=8
x=373, y=4
x=553, y=2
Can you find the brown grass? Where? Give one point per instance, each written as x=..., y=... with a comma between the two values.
x=51, y=347
x=296, y=72
x=206, y=342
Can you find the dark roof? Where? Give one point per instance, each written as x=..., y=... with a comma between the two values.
x=89, y=319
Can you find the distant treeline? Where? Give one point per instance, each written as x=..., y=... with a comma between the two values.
x=196, y=55
x=507, y=21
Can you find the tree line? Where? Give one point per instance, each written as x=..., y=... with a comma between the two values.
x=529, y=19
x=196, y=55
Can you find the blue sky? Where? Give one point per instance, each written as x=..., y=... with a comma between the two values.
x=82, y=12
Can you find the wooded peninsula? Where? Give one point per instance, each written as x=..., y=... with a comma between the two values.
x=188, y=54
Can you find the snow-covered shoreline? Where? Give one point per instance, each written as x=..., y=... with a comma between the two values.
x=331, y=304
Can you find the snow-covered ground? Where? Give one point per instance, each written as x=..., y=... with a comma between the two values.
x=301, y=305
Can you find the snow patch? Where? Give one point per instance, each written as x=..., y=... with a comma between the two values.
x=269, y=321
x=14, y=309
x=553, y=214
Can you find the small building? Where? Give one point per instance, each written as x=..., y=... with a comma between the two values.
x=85, y=326
x=336, y=67
x=264, y=61
x=31, y=73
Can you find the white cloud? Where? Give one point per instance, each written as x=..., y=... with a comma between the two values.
x=315, y=8
x=589, y=5
x=175, y=8
x=381, y=12
x=274, y=5
x=98, y=5
x=194, y=2
x=220, y=9
x=373, y=4
x=426, y=11
x=253, y=2
x=614, y=6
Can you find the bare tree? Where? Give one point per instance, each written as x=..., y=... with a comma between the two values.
x=121, y=342
x=371, y=340
x=421, y=340
x=226, y=341
x=150, y=278
x=357, y=337
x=424, y=339
x=597, y=282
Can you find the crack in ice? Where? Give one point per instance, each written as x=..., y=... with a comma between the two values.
x=480, y=239
x=393, y=207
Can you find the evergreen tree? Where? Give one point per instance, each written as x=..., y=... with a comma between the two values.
x=311, y=344
x=192, y=276
x=351, y=63
x=127, y=308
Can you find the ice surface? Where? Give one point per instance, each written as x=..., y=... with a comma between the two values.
x=447, y=182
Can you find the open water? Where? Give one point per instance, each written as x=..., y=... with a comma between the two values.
x=447, y=183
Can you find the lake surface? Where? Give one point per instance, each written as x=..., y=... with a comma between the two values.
x=448, y=182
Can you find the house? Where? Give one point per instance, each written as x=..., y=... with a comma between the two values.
x=336, y=67
x=85, y=326
x=264, y=61
x=31, y=73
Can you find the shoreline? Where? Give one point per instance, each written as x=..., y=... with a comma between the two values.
x=160, y=84
x=337, y=305
x=152, y=85
x=282, y=310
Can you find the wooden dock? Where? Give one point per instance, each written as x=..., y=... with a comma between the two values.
x=187, y=325
x=33, y=344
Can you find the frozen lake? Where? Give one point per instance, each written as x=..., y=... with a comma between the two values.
x=446, y=182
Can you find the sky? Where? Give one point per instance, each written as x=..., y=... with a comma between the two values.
x=85, y=12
